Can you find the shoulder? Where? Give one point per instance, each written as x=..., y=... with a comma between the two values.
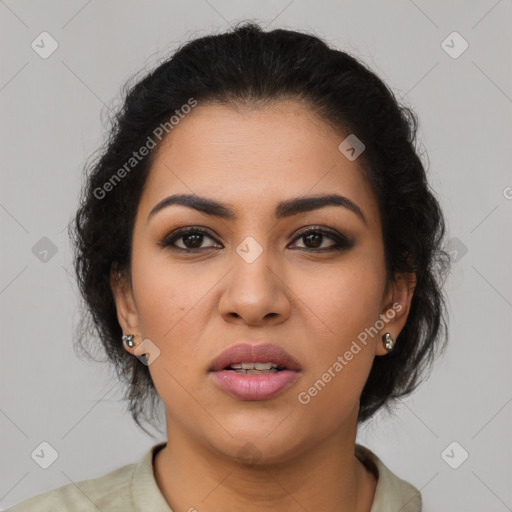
x=392, y=492
x=108, y=493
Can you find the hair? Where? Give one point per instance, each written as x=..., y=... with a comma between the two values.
x=248, y=66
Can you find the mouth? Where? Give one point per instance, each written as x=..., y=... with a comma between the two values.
x=254, y=372
x=249, y=358
x=255, y=368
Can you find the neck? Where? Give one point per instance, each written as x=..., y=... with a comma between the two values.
x=328, y=476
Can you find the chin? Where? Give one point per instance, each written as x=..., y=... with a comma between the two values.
x=256, y=447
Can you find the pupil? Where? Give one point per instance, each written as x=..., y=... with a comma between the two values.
x=195, y=244
x=315, y=237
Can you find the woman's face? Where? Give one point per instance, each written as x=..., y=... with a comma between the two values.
x=257, y=278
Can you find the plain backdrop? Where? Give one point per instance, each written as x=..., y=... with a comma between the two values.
x=51, y=122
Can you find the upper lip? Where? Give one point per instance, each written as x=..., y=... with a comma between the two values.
x=261, y=353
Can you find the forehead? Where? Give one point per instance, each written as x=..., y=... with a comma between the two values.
x=253, y=158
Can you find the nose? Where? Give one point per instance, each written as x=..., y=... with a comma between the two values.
x=256, y=292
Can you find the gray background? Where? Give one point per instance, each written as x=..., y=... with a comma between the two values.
x=50, y=111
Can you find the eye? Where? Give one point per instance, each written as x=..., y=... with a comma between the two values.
x=315, y=237
x=191, y=238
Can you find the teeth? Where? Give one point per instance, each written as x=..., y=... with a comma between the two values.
x=253, y=366
x=264, y=366
x=241, y=371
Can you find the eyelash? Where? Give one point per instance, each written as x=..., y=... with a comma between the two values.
x=342, y=243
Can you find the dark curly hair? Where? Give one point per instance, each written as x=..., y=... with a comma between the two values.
x=247, y=65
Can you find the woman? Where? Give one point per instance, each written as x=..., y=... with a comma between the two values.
x=260, y=250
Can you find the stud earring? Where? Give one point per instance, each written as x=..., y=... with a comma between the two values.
x=128, y=339
x=389, y=342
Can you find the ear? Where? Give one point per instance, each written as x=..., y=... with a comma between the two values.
x=397, y=304
x=125, y=305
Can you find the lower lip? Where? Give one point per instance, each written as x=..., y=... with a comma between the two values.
x=254, y=387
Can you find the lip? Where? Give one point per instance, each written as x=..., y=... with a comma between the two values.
x=254, y=387
x=261, y=353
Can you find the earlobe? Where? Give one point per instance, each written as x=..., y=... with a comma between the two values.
x=125, y=305
x=394, y=314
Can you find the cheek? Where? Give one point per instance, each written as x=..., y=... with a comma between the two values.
x=337, y=371
x=344, y=300
x=342, y=307
x=172, y=302
x=168, y=294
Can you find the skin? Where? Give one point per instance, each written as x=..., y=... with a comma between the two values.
x=311, y=303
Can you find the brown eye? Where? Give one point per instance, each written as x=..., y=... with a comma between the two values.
x=192, y=240
x=313, y=239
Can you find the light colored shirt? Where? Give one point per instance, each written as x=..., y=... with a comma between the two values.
x=133, y=488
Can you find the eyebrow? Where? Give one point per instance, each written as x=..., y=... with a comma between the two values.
x=285, y=208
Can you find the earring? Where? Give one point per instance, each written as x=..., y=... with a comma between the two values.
x=128, y=339
x=389, y=342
